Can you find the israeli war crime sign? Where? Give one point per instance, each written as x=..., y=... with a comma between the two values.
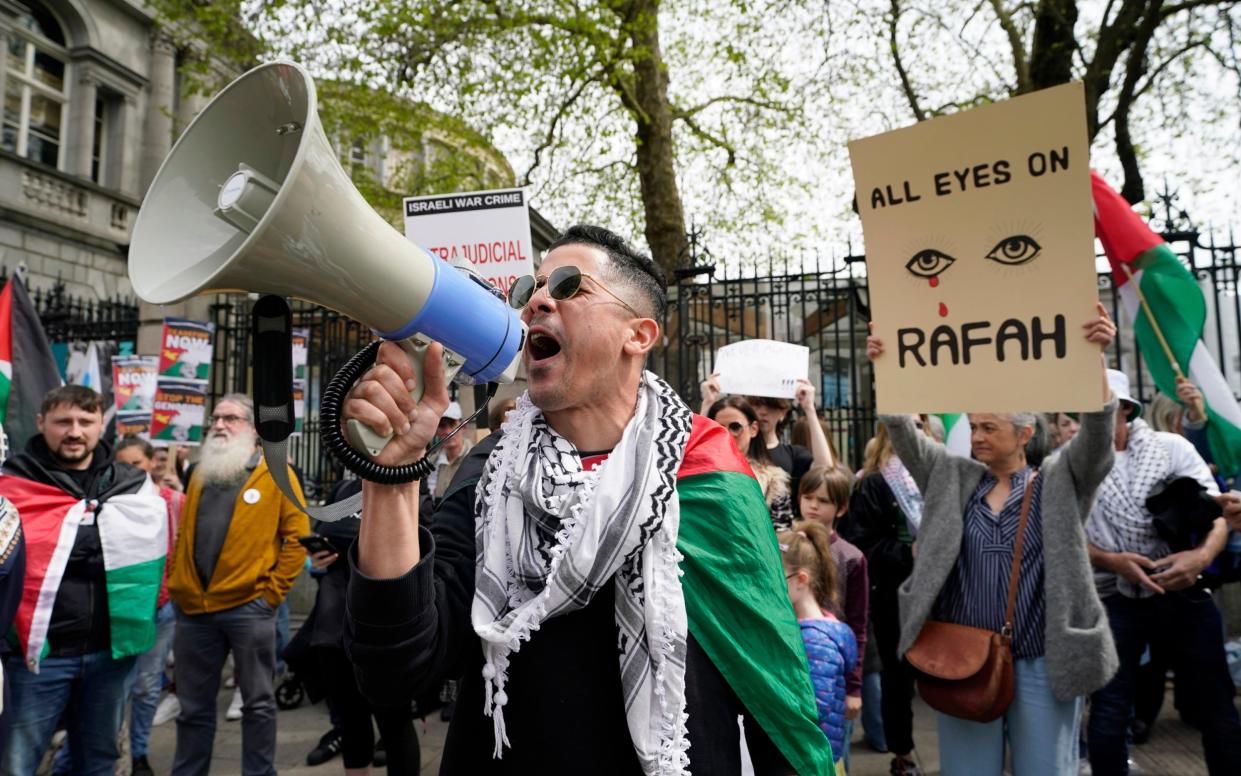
x=980, y=258
x=185, y=349
x=179, y=411
x=485, y=231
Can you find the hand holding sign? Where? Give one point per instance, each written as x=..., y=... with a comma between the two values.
x=1100, y=330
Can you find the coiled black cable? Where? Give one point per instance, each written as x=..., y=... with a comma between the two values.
x=330, y=416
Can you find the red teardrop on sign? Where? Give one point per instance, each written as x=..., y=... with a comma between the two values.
x=934, y=282
x=943, y=310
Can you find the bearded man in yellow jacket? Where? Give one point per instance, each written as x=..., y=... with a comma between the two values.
x=236, y=558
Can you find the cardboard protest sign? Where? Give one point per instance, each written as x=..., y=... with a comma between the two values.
x=133, y=383
x=185, y=349
x=761, y=367
x=301, y=350
x=486, y=231
x=178, y=414
x=133, y=424
x=980, y=258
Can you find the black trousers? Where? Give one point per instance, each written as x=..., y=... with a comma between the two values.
x=896, y=678
x=1186, y=627
x=396, y=725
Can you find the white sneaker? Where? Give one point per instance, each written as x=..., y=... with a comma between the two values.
x=167, y=710
x=234, y=707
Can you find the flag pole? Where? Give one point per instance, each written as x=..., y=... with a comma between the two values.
x=1163, y=342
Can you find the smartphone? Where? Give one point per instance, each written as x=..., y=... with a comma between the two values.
x=316, y=543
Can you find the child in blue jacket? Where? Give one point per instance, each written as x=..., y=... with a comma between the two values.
x=830, y=644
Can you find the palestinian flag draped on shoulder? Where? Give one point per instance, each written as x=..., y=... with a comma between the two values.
x=1179, y=309
x=133, y=530
x=736, y=598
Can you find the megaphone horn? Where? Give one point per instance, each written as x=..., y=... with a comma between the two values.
x=252, y=198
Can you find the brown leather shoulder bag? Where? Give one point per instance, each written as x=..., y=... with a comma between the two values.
x=967, y=672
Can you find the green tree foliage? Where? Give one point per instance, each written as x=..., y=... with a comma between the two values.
x=619, y=111
x=1151, y=68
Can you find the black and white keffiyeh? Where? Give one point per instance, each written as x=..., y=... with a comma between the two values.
x=1119, y=521
x=549, y=535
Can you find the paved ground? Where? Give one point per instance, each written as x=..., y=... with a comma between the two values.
x=1174, y=750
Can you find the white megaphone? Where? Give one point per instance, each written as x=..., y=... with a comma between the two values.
x=252, y=198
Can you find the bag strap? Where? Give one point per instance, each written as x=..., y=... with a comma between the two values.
x=1015, y=574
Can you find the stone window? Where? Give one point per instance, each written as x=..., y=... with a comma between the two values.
x=36, y=76
x=99, y=141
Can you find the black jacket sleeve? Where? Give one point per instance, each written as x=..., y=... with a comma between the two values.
x=406, y=635
x=873, y=519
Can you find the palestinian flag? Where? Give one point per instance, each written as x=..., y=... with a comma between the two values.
x=22, y=342
x=133, y=529
x=736, y=597
x=956, y=432
x=1179, y=310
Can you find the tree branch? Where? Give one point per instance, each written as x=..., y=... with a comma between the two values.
x=906, y=85
x=752, y=101
x=549, y=138
x=1020, y=65
x=713, y=140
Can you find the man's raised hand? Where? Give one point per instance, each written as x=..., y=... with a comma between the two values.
x=381, y=401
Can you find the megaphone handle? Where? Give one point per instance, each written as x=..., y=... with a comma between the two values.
x=365, y=438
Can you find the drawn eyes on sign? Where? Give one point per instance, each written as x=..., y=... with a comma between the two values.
x=1015, y=250
x=929, y=263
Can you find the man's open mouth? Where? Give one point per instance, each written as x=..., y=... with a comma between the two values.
x=542, y=346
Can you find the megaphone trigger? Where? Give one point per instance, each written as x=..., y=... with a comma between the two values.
x=363, y=437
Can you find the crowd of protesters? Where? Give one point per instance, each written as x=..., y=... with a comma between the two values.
x=509, y=582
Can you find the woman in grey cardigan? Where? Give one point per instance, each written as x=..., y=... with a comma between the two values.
x=1062, y=644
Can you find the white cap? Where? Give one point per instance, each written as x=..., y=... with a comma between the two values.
x=453, y=412
x=1119, y=383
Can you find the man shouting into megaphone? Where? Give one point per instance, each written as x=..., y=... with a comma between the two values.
x=601, y=574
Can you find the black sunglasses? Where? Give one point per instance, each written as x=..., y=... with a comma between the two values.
x=562, y=284
x=735, y=427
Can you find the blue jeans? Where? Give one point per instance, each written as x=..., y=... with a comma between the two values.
x=92, y=687
x=872, y=711
x=148, y=680
x=1185, y=627
x=1041, y=731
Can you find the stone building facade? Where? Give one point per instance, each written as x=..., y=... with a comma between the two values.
x=91, y=103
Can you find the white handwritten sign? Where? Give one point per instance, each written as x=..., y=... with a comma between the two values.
x=761, y=367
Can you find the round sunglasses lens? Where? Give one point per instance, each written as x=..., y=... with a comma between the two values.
x=564, y=283
x=735, y=427
x=520, y=292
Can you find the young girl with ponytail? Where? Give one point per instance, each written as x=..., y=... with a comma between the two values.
x=830, y=645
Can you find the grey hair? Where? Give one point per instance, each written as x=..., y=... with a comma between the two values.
x=242, y=399
x=1021, y=419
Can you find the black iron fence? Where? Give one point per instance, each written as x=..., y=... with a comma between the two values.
x=818, y=303
x=333, y=340
x=825, y=306
x=66, y=317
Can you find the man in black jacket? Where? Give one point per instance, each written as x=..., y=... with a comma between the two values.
x=549, y=581
x=89, y=524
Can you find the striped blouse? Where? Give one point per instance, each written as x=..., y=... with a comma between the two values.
x=977, y=590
